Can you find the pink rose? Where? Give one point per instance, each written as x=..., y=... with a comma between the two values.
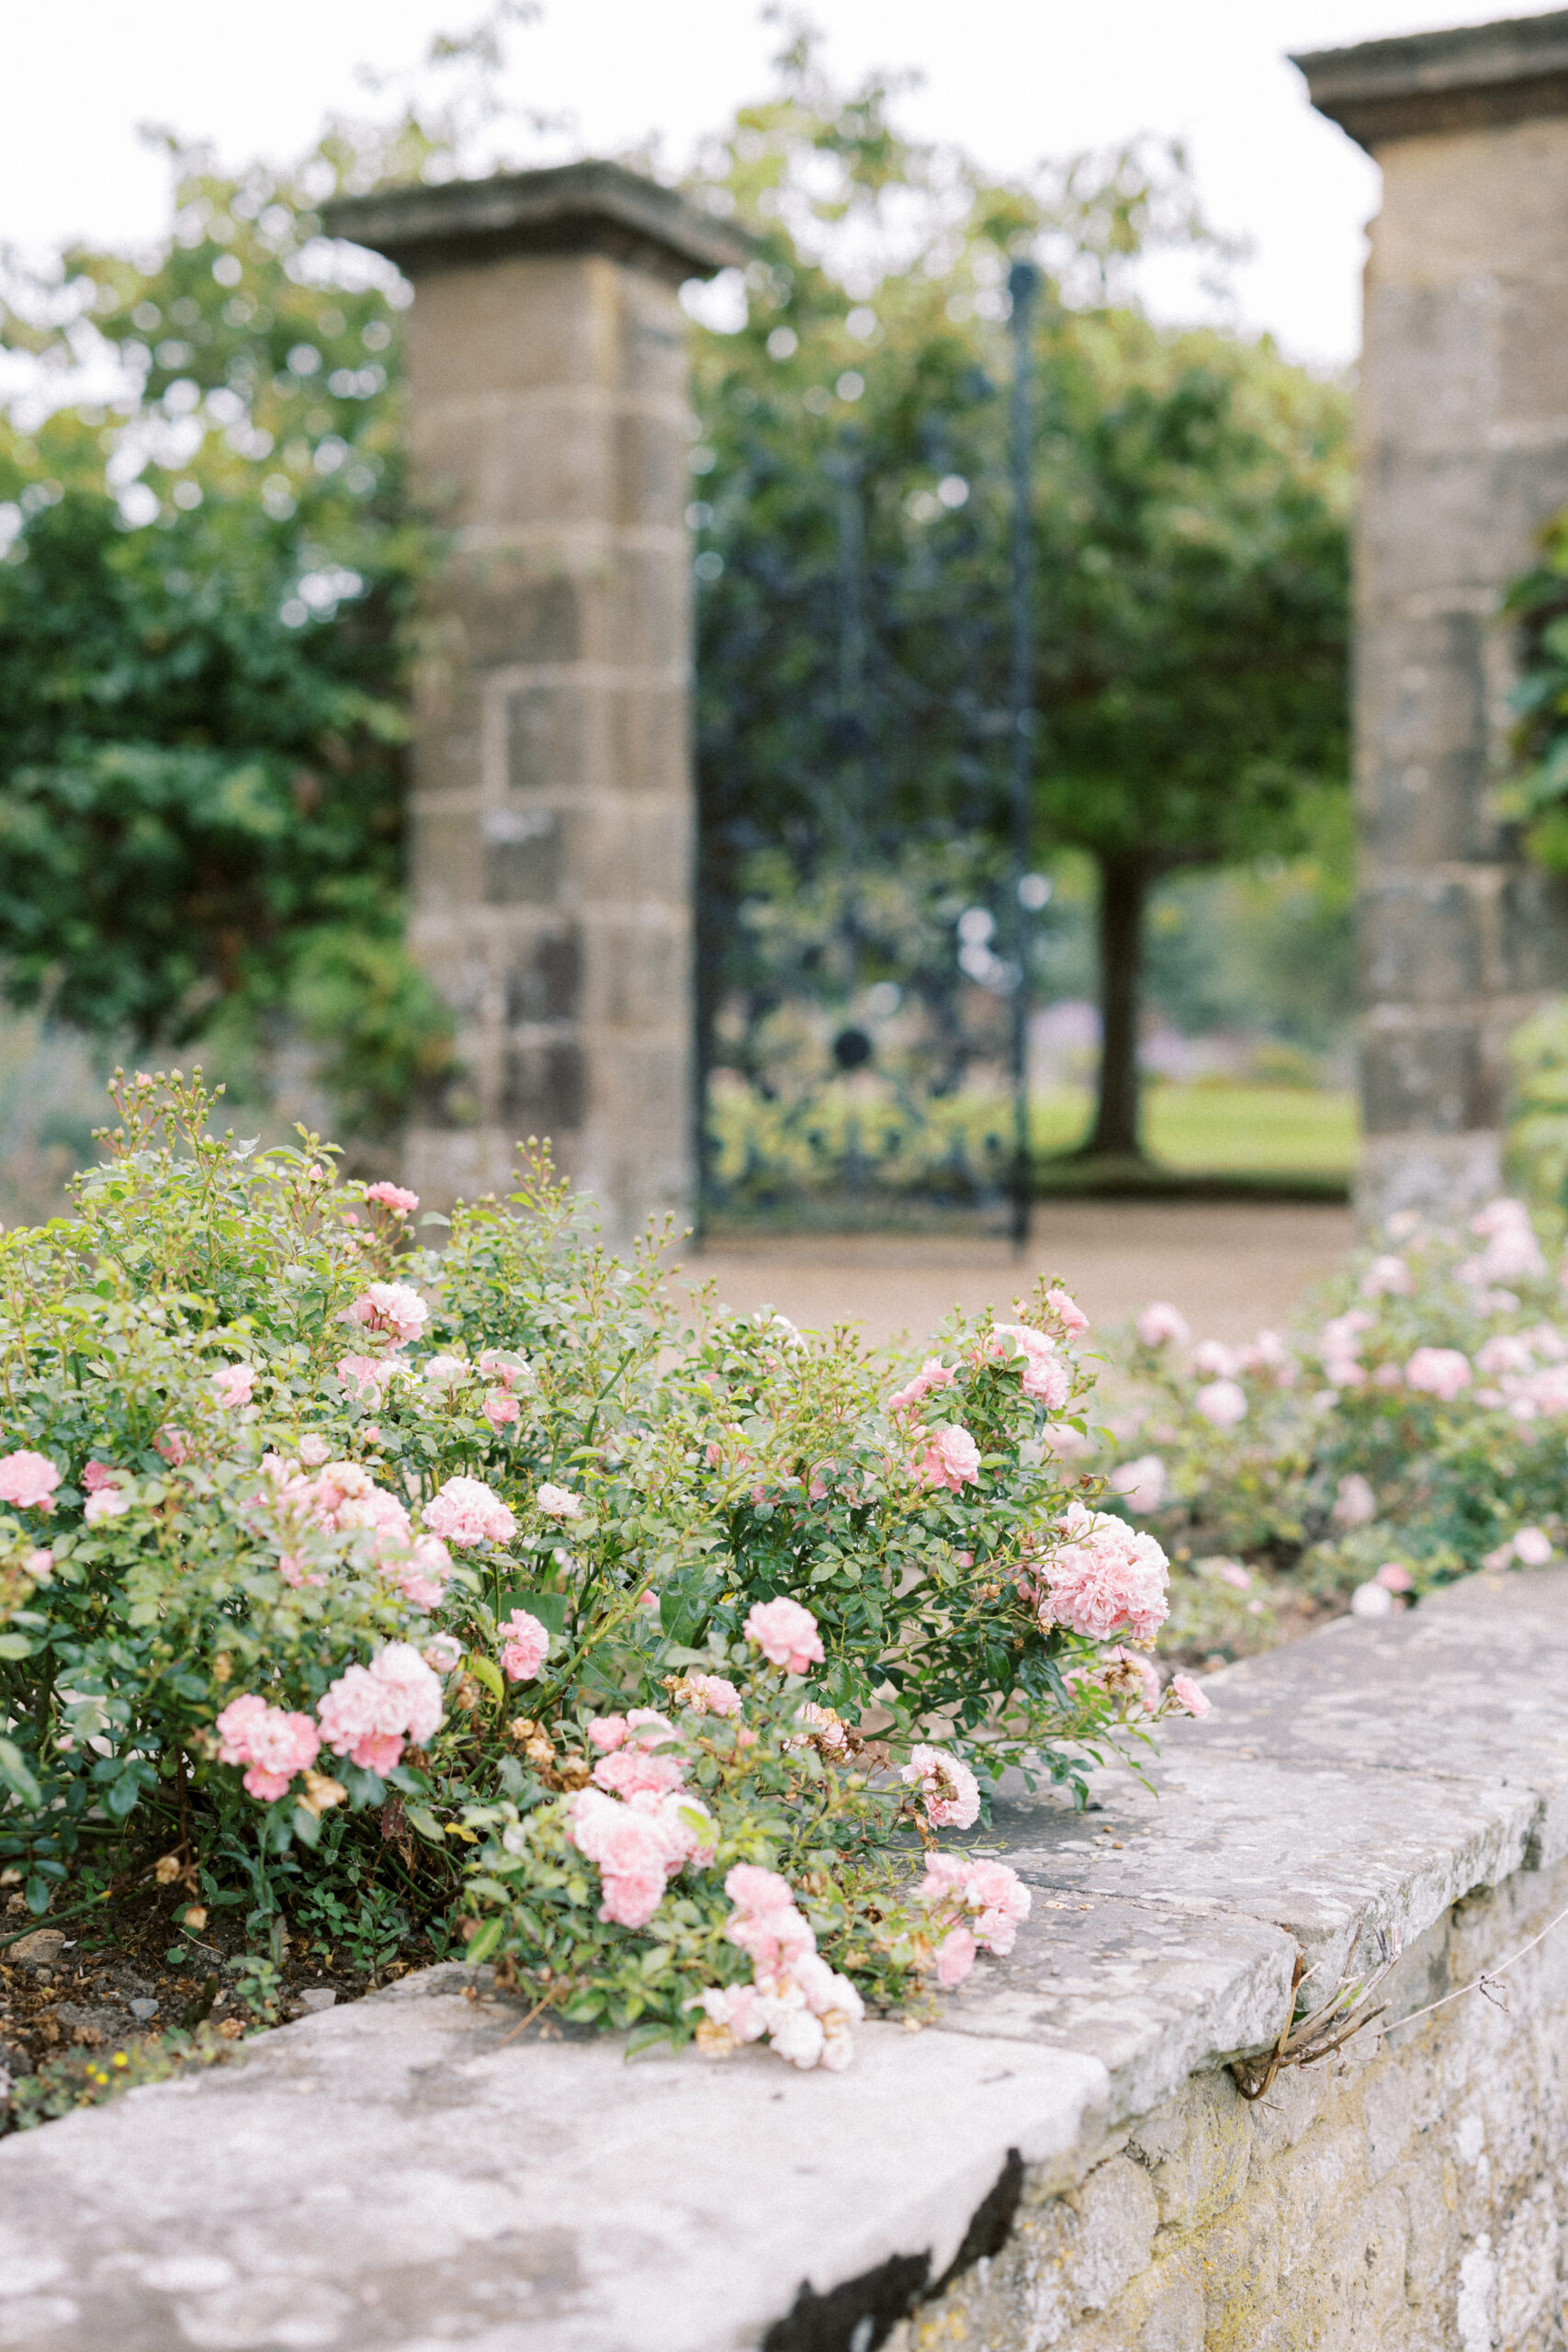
x=949, y=1791
x=465, y=1512
x=1438, y=1372
x=1355, y=1503
x=1140, y=1484
x=559, y=1502
x=99, y=1475
x=108, y=1503
x=501, y=1408
x=1395, y=1576
x=40, y=1564
x=526, y=1645
x=785, y=1633
x=634, y=1771
x=1045, y=1375
x=369, y=1374
x=390, y=1311
x=1191, y=1695
x=1068, y=1311
x=932, y=1373
x=1532, y=1547
x=1222, y=1403
x=396, y=1197
x=233, y=1384
x=712, y=1694
x=29, y=1480
x=1105, y=1579
x=952, y=1459
x=753, y=1890
x=274, y=1744
x=369, y=1710
x=1386, y=1277
x=1162, y=1325
x=174, y=1446
x=954, y=1957
x=607, y=1733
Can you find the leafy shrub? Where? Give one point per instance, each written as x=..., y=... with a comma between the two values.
x=481, y=1592
x=1413, y=1428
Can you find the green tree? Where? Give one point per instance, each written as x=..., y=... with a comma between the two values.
x=1193, y=626
x=205, y=601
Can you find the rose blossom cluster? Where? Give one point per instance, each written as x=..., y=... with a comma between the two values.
x=371, y=1711
x=1105, y=1577
x=1512, y=1254
x=366, y=1715
x=342, y=1498
x=396, y=1197
x=466, y=1511
x=525, y=1646
x=980, y=1903
x=272, y=1742
x=393, y=1313
x=804, y=2009
x=1047, y=1375
x=638, y=1824
x=949, y=1794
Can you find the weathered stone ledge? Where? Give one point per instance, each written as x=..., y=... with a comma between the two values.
x=404, y=2175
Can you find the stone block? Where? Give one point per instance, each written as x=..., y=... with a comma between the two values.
x=650, y=741
x=651, y=477
x=445, y=859
x=1532, y=331
x=1429, y=382
x=511, y=609
x=654, y=349
x=513, y=324
x=545, y=738
x=1422, y=941
x=644, y=621
x=1428, y=1081
x=501, y=462
x=1197, y=2151
x=1533, y=931
x=1441, y=1176
x=524, y=853
x=544, y=1088
x=546, y=982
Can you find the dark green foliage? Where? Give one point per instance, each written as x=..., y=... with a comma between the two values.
x=202, y=679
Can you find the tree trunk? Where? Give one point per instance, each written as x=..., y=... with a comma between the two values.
x=1123, y=887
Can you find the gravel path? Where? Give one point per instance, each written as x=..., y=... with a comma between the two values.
x=1230, y=1268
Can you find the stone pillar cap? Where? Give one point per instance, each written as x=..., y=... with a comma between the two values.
x=570, y=209
x=1380, y=90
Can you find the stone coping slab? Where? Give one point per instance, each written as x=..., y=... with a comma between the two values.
x=410, y=2173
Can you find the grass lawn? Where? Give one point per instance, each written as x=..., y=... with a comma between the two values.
x=1283, y=1130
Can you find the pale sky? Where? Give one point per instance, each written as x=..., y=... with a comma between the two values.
x=1011, y=80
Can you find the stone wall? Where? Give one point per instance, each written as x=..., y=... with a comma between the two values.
x=1411, y=2194
x=552, y=813
x=1060, y=2158
x=1464, y=454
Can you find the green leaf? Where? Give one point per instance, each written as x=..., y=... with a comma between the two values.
x=14, y=1645
x=488, y=1673
x=485, y=1942
x=18, y=1777
x=425, y=1823
x=307, y=1826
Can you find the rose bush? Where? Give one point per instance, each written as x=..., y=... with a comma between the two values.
x=495, y=1587
x=1415, y=1426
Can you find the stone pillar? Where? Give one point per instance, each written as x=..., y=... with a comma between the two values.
x=1464, y=455
x=552, y=808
